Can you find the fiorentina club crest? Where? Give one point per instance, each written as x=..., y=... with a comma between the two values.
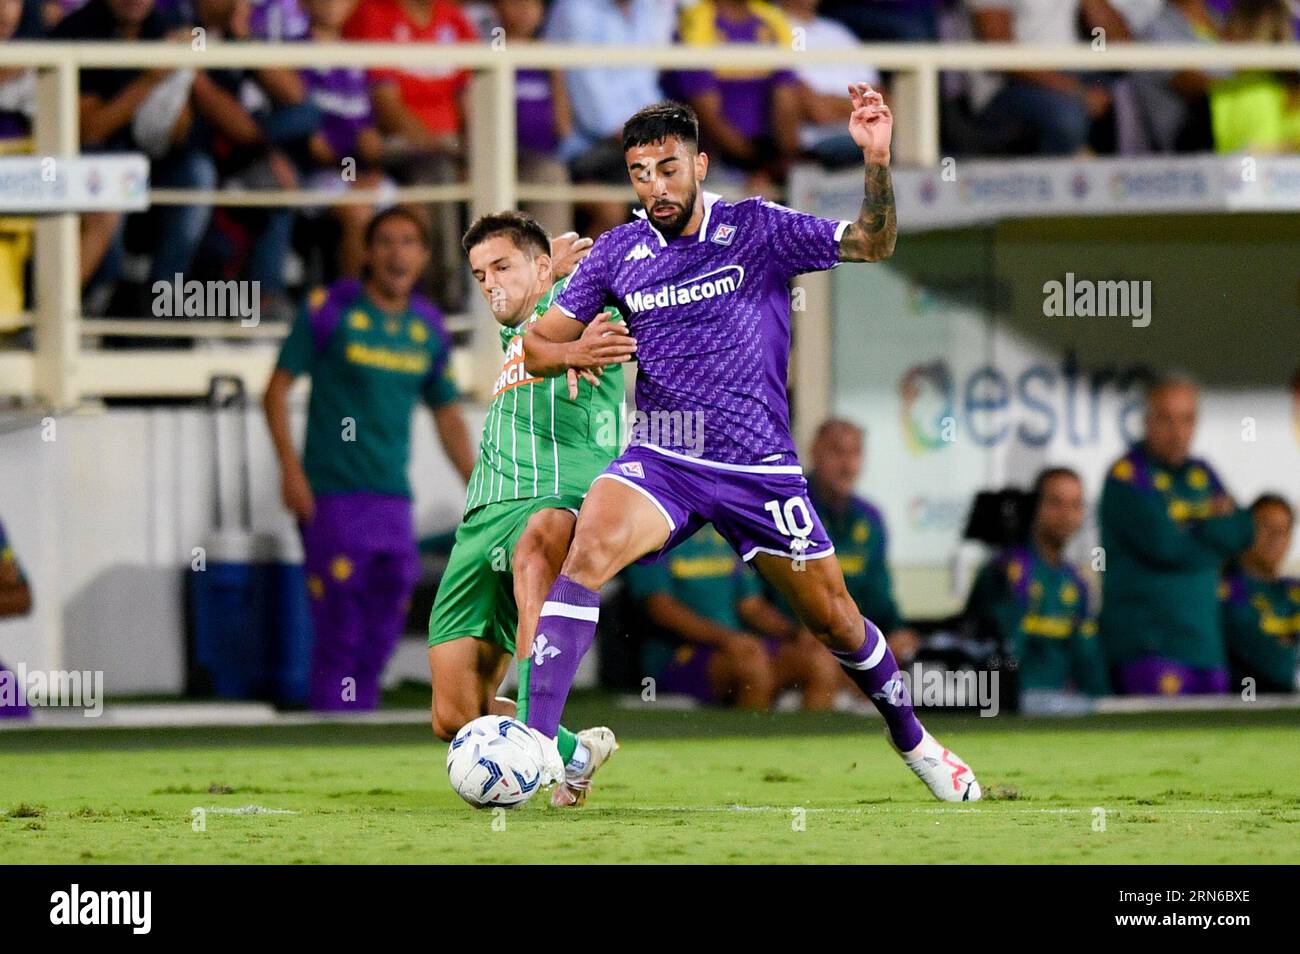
x=723, y=234
x=632, y=469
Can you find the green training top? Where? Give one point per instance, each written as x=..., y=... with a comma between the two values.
x=1164, y=550
x=368, y=368
x=536, y=442
x=1262, y=623
x=1042, y=614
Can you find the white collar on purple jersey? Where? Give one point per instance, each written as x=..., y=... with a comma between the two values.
x=709, y=199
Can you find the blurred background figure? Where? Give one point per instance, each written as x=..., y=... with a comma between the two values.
x=1257, y=110
x=1043, y=111
x=373, y=349
x=15, y=600
x=749, y=119
x=1261, y=608
x=857, y=528
x=138, y=111
x=820, y=91
x=601, y=98
x=1037, y=606
x=422, y=114
x=714, y=636
x=17, y=104
x=899, y=21
x=542, y=115
x=346, y=151
x=1167, y=527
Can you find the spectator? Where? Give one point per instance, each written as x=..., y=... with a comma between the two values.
x=1167, y=527
x=857, y=529
x=134, y=110
x=17, y=104
x=1037, y=606
x=749, y=119
x=249, y=144
x=372, y=348
x=823, y=104
x=422, y=113
x=277, y=20
x=1255, y=110
x=897, y=21
x=541, y=114
x=1173, y=107
x=1050, y=110
x=15, y=600
x=601, y=98
x=1261, y=608
x=717, y=638
x=347, y=131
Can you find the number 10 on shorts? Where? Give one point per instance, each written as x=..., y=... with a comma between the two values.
x=792, y=520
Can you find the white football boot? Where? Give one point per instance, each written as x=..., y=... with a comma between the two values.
x=949, y=778
x=572, y=792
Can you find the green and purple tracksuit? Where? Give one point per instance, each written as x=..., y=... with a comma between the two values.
x=368, y=368
x=1261, y=619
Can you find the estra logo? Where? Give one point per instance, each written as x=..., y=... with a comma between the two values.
x=720, y=281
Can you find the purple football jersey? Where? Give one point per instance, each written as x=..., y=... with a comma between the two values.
x=711, y=316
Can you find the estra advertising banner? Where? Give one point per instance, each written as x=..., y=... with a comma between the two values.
x=954, y=403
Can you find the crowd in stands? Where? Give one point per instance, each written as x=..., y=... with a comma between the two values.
x=333, y=129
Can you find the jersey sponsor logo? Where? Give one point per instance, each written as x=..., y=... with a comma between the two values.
x=408, y=362
x=632, y=469
x=512, y=372
x=720, y=281
x=640, y=252
x=723, y=234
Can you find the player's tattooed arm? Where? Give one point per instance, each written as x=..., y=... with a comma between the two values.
x=872, y=236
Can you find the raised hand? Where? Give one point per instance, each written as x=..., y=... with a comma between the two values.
x=872, y=124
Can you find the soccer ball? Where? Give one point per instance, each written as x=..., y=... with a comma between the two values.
x=495, y=760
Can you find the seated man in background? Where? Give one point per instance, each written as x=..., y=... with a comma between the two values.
x=1167, y=527
x=749, y=119
x=1038, y=607
x=1053, y=111
x=373, y=348
x=857, y=529
x=1261, y=608
x=720, y=639
x=15, y=600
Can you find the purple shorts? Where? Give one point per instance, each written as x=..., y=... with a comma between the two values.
x=761, y=509
x=1154, y=676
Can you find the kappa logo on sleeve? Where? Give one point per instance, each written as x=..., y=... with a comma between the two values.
x=640, y=252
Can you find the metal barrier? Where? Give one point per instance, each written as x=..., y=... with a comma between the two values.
x=60, y=371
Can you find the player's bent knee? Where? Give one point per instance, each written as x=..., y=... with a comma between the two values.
x=448, y=719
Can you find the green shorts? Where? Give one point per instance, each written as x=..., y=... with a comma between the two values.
x=476, y=597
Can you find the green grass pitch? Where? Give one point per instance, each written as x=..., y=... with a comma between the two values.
x=703, y=786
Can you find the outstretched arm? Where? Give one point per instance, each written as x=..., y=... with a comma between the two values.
x=871, y=237
x=556, y=343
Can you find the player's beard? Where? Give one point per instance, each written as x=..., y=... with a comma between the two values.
x=673, y=227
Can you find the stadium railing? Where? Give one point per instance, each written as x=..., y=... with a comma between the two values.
x=59, y=372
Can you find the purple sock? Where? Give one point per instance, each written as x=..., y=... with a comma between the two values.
x=873, y=668
x=565, y=629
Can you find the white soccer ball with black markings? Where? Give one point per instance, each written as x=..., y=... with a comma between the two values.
x=495, y=761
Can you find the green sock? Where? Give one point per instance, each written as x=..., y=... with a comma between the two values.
x=565, y=740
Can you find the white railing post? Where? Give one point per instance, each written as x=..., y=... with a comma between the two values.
x=57, y=264
x=916, y=115
x=492, y=170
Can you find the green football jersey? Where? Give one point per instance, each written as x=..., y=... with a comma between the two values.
x=536, y=441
